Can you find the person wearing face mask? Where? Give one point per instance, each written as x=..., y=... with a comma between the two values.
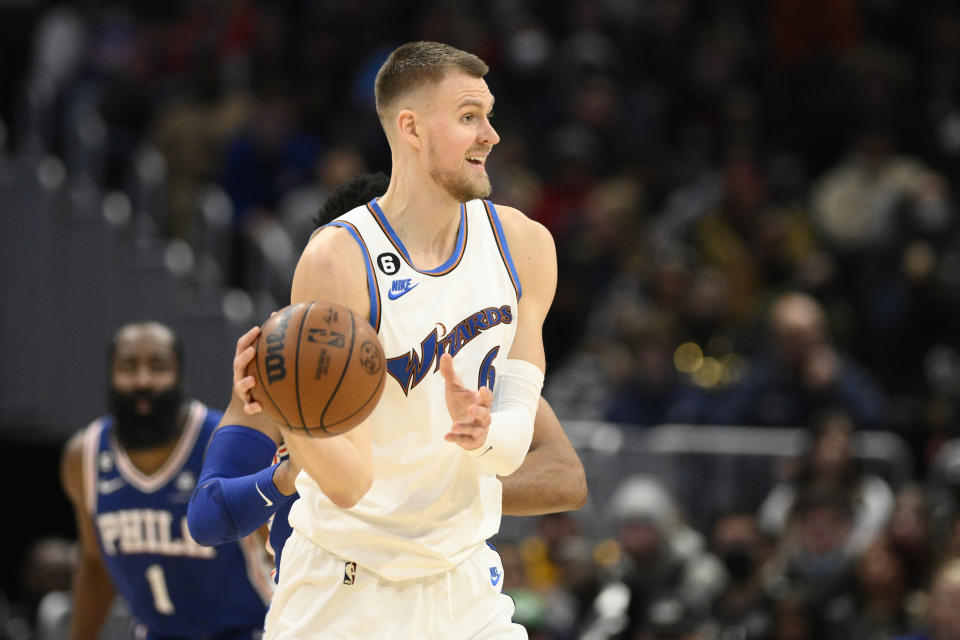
x=129, y=476
x=743, y=610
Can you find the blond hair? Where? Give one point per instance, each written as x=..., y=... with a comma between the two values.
x=414, y=64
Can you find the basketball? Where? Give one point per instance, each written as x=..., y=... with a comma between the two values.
x=319, y=368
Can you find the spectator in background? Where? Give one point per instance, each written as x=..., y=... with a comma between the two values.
x=570, y=601
x=540, y=553
x=743, y=610
x=45, y=575
x=943, y=485
x=792, y=620
x=530, y=605
x=813, y=566
x=654, y=392
x=829, y=464
x=662, y=559
x=952, y=546
x=673, y=619
x=190, y=130
x=269, y=158
x=910, y=535
x=943, y=609
x=800, y=372
x=881, y=594
x=885, y=216
x=297, y=209
x=756, y=245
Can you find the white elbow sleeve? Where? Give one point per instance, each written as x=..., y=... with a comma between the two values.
x=515, y=400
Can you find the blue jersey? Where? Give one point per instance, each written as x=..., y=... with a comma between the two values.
x=175, y=587
x=279, y=523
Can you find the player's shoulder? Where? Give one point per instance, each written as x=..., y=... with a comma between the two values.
x=333, y=267
x=342, y=222
x=71, y=464
x=77, y=441
x=211, y=418
x=328, y=244
x=73, y=449
x=523, y=232
x=211, y=415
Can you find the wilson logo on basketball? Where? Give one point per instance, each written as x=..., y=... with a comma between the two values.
x=274, y=363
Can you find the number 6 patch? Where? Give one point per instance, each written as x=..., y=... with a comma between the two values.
x=389, y=263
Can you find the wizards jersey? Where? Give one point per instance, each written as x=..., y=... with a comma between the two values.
x=430, y=505
x=175, y=587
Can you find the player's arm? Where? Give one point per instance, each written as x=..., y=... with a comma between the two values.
x=332, y=269
x=92, y=589
x=551, y=478
x=497, y=434
x=239, y=486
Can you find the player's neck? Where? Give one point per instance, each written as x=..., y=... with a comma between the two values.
x=148, y=461
x=426, y=218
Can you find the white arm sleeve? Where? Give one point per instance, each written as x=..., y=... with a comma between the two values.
x=515, y=401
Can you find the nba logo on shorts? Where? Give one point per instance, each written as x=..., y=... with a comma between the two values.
x=349, y=572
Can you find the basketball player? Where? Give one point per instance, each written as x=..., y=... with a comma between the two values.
x=129, y=476
x=390, y=527
x=236, y=494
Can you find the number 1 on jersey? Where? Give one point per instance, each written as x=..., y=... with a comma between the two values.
x=158, y=585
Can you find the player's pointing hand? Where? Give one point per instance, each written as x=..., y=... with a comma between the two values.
x=469, y=409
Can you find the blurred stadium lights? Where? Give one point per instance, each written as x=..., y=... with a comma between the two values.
x=178, y=258
x=237, y=306
x=117, y=209
x=51, y=173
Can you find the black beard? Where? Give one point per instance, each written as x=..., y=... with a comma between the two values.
x=135, y=431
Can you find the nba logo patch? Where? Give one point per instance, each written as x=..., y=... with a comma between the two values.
x=349, y=573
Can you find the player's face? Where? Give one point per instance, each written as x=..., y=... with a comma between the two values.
x=459, y=136
x=144, y=362
x=145, y=393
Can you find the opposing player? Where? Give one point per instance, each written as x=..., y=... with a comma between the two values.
x=247, y=477
x=393, y=516
x=129, y=476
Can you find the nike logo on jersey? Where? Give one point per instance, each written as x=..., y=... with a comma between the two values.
x=495, y=576
x=267, y=501
x=109, y=486
x=401, y=287
x=489, y=449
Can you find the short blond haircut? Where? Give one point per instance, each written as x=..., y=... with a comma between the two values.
x=415, y=64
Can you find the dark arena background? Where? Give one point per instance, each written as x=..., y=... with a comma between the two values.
x=754, y=342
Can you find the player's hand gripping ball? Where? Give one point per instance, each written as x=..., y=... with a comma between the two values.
x=319, y=368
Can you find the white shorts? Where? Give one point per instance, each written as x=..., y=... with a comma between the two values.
x=323, y=596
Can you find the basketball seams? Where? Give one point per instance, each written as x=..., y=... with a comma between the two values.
x=296, y=364
x=262, y=376
x=343, y=372
x=375, y=394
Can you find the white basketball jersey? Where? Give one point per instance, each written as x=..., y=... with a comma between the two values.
x=430, y=506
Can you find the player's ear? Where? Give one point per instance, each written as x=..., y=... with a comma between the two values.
x=407, y=128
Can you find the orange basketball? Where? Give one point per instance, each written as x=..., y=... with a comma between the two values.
x=319, y=367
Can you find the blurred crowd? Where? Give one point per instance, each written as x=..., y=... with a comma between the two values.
x=754, y=205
